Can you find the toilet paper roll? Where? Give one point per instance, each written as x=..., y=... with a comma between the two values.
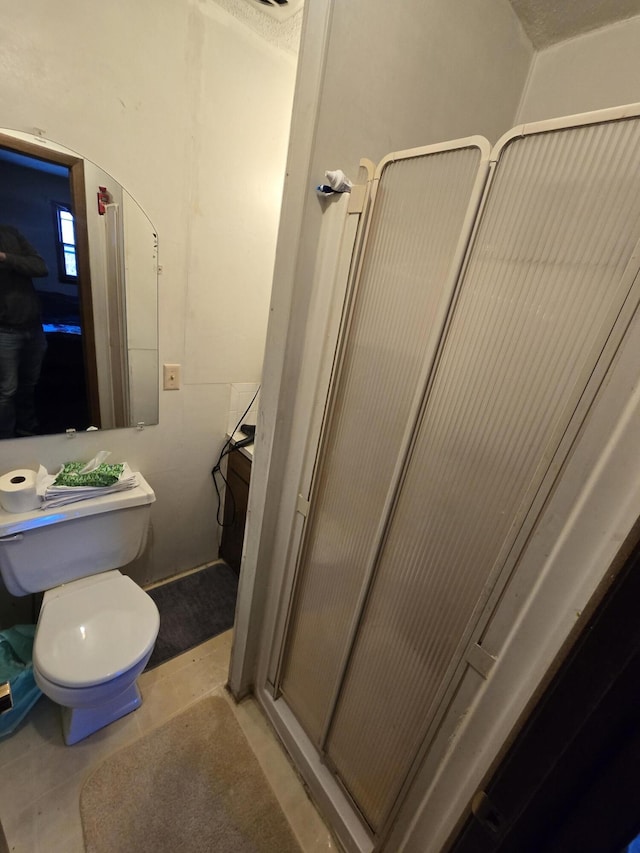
x=18, y=491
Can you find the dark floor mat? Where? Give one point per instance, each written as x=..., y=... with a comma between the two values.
x=193, y=609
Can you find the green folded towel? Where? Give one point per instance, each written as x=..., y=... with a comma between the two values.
x=103, y=475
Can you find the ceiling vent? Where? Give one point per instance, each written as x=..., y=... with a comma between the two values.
x=279, y=9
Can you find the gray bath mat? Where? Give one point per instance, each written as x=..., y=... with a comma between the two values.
x=193, y=609
x=193, y=785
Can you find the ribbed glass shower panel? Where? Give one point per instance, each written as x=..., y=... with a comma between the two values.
x=417, y=219
x=558, y=228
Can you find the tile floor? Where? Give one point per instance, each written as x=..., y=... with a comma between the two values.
x=41, y=778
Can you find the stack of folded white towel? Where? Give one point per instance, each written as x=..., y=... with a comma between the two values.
x=77, y=481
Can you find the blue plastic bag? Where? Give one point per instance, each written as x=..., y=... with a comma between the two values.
x=16, y=649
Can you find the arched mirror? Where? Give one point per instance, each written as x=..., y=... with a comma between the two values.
x=98, y=299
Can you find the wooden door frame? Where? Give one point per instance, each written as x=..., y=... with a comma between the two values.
x=75, y=165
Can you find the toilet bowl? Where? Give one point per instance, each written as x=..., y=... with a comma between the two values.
x=94, y=638
x=97, y=627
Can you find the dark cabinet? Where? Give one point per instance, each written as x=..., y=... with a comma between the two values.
x=235, y=508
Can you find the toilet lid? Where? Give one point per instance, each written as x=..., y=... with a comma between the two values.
x=95, y=632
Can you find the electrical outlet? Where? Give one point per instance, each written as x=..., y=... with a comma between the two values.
x=171, y=377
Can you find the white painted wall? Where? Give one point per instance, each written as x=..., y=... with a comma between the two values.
x=189, y=110
x=404, y=74
x=241, y=132
x=591, y=72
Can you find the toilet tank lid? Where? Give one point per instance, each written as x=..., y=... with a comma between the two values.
x=19, y=522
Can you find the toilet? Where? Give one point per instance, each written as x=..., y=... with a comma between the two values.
x=97, y=628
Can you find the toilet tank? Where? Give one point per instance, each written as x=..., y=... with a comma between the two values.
x=42, y=549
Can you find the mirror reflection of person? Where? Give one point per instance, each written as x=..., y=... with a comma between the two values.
x=22, y=340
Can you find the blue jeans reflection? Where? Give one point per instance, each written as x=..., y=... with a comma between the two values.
x=21, y=355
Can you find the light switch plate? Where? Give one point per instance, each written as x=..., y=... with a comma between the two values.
x=171, y=377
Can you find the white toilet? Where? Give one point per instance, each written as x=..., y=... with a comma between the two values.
x=97, y=628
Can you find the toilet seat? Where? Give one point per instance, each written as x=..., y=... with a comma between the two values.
x=92, y=630
x=89, y=697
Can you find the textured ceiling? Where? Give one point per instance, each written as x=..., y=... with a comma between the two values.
x=544, y=21
x=283, y=34
x=549, y=21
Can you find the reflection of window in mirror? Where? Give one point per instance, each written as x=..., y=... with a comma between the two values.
x=66, y=243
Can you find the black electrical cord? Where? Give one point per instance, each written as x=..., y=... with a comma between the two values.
x=227, y=448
